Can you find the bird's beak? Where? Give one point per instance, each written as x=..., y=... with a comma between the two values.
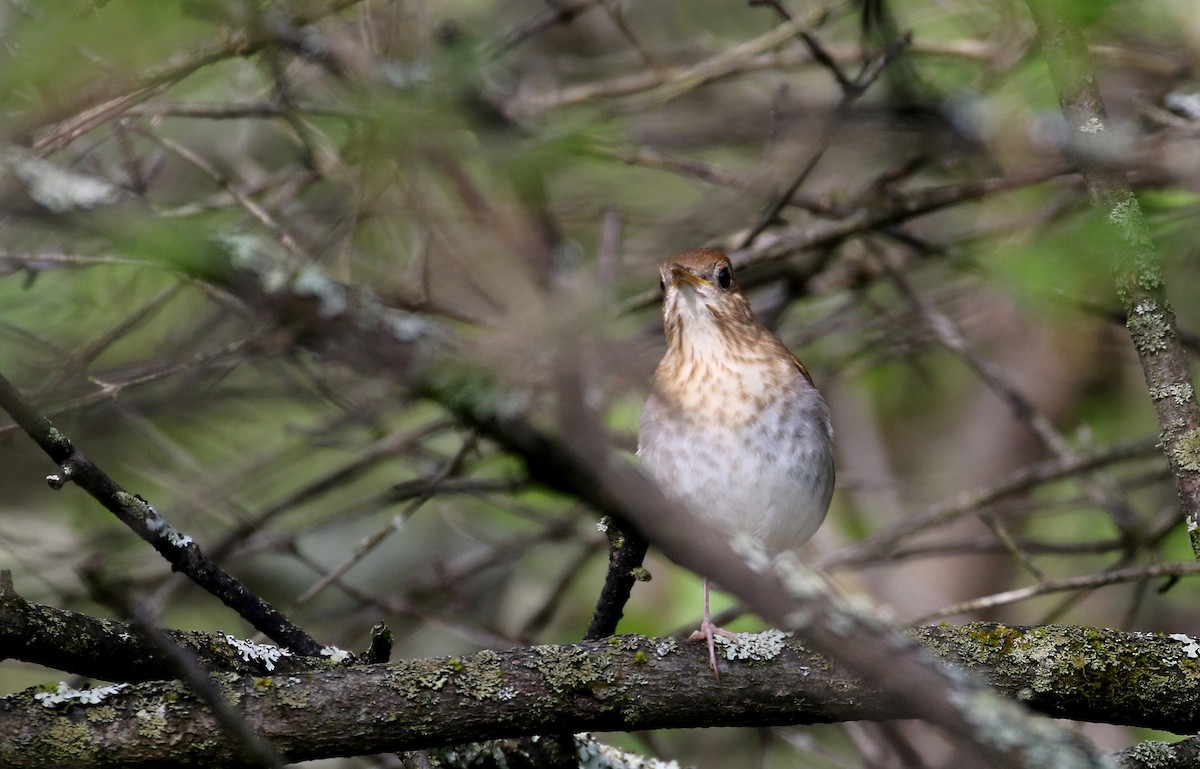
x=680, y=274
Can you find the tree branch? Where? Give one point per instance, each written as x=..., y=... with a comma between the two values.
x=1139, y=271
x=622, y=683
x=113, y=651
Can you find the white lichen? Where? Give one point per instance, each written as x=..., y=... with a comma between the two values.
x=506, y=693
x=597, y=755
x=766, y=645
x=330, y=295
x=57, y=189
x=1191, y=646
x=1093, y=126
x=177, y=539
x=751, y=549
x=406, y=326
x=335, y=655
x=800, y=580
x=251, y=651
x=668, y=646
x=263, y=257
x=1183, y=103
x=64, y=694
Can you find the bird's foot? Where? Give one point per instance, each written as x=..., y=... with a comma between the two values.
x=708, y=632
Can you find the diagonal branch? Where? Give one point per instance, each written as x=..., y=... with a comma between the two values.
x=178, y=549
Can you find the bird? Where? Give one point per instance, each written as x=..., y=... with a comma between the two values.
x=733, y=429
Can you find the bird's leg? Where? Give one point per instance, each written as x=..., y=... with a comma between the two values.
x=708, y=631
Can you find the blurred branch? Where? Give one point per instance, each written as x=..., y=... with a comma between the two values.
x=105, y=100
x=995, y=378
x=812, y=238
x=1139, y=271
x=178, y=549
x=558, y=12
x=367, y=459
x=852, y=89
x=885, y=542
x=626, y=683
x=667, y=83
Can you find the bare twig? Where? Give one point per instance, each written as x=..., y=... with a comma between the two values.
x=1082, y=582
x=967, y=502
x=1100, y=493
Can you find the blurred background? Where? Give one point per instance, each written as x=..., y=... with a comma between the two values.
x=892, y=181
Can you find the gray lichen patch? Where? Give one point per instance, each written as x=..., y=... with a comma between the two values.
x=60, y=441
x=1180, y=393
x=479, y=677
x=571, y=668
x=1149, y=329
x=152, y=724
x=65, y=743
x=1187, y=451
x=1153, y=753
x=666, y=646
x=597, y=755
x=294, y=694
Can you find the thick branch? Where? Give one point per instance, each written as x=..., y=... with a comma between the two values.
x=113, y=651
x=622, y=683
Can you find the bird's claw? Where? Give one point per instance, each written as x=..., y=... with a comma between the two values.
x=708, y=632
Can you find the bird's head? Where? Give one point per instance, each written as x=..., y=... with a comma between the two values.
x=702, y=302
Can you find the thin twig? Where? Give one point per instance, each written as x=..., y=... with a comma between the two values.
x=1086, y=581
x=967, y=502
x=368, y=544
x=993, y=376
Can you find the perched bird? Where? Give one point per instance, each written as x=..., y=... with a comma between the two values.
x=733, y=429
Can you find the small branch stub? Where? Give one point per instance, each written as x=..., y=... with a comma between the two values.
x=62, y=477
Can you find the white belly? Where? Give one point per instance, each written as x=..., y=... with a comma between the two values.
x=770, y=478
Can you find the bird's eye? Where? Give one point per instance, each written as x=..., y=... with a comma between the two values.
x=724, y=278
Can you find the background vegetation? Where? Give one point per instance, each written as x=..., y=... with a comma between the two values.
x=897, y=179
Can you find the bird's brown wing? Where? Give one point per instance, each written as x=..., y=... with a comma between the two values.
x=803, y=370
